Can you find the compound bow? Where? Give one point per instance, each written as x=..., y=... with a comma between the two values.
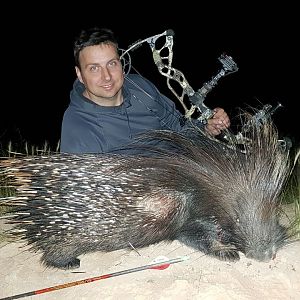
x=163, y=58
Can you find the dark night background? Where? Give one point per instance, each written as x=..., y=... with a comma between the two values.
x=38, y=71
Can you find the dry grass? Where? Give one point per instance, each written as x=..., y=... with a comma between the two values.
x=28, y=150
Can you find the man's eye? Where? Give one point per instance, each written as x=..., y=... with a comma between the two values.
x=112, y=63
x=94, y=68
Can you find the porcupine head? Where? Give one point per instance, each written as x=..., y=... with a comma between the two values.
x=248, y=187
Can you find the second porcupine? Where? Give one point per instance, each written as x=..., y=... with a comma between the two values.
x=215, y=199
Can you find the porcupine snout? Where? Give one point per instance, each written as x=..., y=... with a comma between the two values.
x=263, y=256
x=264, y=240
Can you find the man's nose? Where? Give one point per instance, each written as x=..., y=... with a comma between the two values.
x=105, y=74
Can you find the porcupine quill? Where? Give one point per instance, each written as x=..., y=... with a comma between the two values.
x=216, y=199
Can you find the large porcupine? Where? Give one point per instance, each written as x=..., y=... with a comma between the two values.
x=217, y=199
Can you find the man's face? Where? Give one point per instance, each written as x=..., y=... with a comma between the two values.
x=102, y=74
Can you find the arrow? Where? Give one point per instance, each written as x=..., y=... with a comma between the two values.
x=159, y=265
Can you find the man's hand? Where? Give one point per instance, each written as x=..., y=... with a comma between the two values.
x=218, y=122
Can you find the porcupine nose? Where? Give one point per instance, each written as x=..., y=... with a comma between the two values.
x=263, y=256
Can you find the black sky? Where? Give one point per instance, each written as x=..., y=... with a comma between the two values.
x=38, y=66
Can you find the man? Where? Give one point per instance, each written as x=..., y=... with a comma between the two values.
x=108, y=108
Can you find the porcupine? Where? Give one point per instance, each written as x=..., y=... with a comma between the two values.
x=216, y=199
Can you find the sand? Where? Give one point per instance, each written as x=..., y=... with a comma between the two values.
x=198, y=277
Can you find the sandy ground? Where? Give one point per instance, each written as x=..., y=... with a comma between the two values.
x=198, y=277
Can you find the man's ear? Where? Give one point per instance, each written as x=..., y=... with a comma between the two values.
x=78, y=73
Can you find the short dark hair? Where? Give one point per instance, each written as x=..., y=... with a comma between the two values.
x=91, y=37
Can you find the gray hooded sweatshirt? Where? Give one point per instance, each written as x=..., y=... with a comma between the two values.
x=90, y=128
